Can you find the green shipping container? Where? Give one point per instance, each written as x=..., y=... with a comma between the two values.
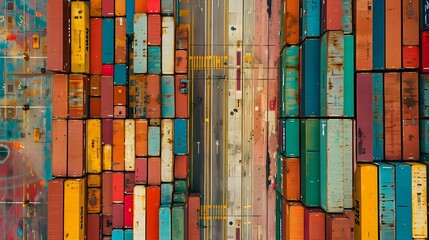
x=180, y=186
x=349, y=76
x=179, y=197
x=279, y=178
x=178, y=221
x=291, y=137
x=310, y=163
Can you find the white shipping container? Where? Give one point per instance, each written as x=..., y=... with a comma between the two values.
x=167, y=46
x=167, y=174
x=140, y=43
x=418, y=201
x=348, y=126
x=139, y=218
x=130, y=155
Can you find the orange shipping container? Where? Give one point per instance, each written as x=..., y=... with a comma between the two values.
x=393, y=34
x=154, y=171
x=314, y=222
x=182, y=36
x=94, y=200
x=410, y=57
x=118, y=150
x=59, y=148
x=153, y=198
x=95, y=107
x=292, y=18
x=118, y=185
x=94, y=180
x=339, y=227
x=120, y=8
x=76, y=143
x=95, y=8
x=78, y=90
x=141, y=137
x=294, y=220
x=182, y=104
x=95, y=85
x=140, y=6
x=60, y=93
x=392, y=116
x=140, y=93
x=181, y=62
x=120, y=40
x=107, y=193
x=96, y=39
x=154, y=29
x=291, y=179
x=153, y=107
x=363, y=12
x=410, y=22
x=120, y=95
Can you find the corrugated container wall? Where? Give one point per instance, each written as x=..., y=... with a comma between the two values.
x=140, y=42
x=168, y=43
x=167, y=158
x=139, y=226
x=74, y=209
x=58, y=36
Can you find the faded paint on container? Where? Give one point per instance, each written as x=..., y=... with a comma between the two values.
x=182, y=36
x=74, y=209
x=347, y=16
x=366, y=202
x=120, y=39
x=291, y=13
x=76, y=158
x=118, y=147
x=80, y=44
x=129, y=182
x=331, y=15
x=424, y=68
x=78, y=92
x=364, y=34
x=130, y=145
x=140, y=42
x=118, y=187
x=95, y=86
x=393, y=32
x=410, y=22
x=152, y=217
x=107, y=193
x=58, y=36
x=106, y=96
x=310, y=15
x=96, y=45
x=94, y=200
x=339, y=226
x=410, y=57
x=310, y=78
x=165, y=222
x=93, y=145
x=294, y=222
x=378, y=34
x=419, y=200
x=94, y=227
x=154, y=30
x=118, y=216
x=182, y=102
x=55, y=209
x=129, y=9
x=364, y=117
x=108, y=50
x=139, y=93
x=349, y=76
x=291, y=179
x=386, y=202
x=410, y=116
x=141, y=137
x=178, y=221
x=60, y=96
x=141, y=170
x=291, y=86
x=167, y=158
x=154, y=60
x=181, y=62
x=180, y=166
x=310, y=162
x=378, y=116
x=128, y=211
x=95, y=8
x=108, y=8
x=314, y=224
x=166, y=193
x=154, y=173
x=168, y=43
x=167, y=7
x=392, y=116
x=180, y=136
x=139, y=220
x=153, y=104
x=154, y=140
x=167, y=93
x=59, y=148
x=192, y=227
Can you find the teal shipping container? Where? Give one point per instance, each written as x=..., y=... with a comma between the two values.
x=349, y=76
x=180, y=136
x=118, y=234
x=386, y=201
x=120, y=74
x=310, y=18
x=129, y=13
x=167, y=7
x=165, y=222
x=108, y=43
x=310, y=78
x=167, y=93
x=154, y=141
x=166, y=193
x=291, y=89
x=347, y=16
x=140, y=43
x=179, y=197
x=282, y=87
x=178, y=221
x=378, y=34
x=424, y=95
x=403, y=195
x=424, y=136
x=180, y=186
x=279, y=177
x=377, y=116
x=290, y=145
x=310, y=162
x=154, y=60
x=128, y=234
x=336, y=163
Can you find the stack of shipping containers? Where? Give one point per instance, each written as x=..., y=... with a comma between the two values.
x=120, y=121
x=349, y=163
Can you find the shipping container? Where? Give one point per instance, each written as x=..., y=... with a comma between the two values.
x=153, y=97
x=154, y=174
x=290, y=103
x=364, y=117
x=118, y=216
x=349, y=76
x=94, y=227
x=107, y=131
x=180, y=186
x=378, y=34
x=119, y=111
x=279, y=215
x=94, y=180
x=167, y=158
x=107, y=193
x=294, y=220
x=424, y=67
x=378, y=116
x=336, y=160
x=167, y=193
x=93, y=143
x=154, y=30
x=290, y=146
x=130, y=8
x=140, y=40
x=107, y=70
x=192, y=225
x=180, y=136
x=366, y=202
x=179, y=197
x=59, y=148
x=386, y=202
x=58, y=36
x=138, y=95
x=118, y=148
x=120, y=8
x=108, y=8
x=181, y=61
x=119, y=95
x=118, y=187
x=141, y=6
x=165, y=231
x=291, y=179
x=167, y=7
x=182, y=36
x=347, y=18
x=152, y=217
x=410, y=57
x=154, y=140
x=128, y=234
x=181, y=166
x=118, y=234
x=96, y=45
x=95, y=85
x=107, y=226
x=178, y=221
x=310, y=78
x=392, y=116
x=55, y=209
x=181, y=97
x=364, y=33
x=291, y=13
x=153, y=6
x=120, y=38
x=167, y=93
x=154, y=60
x=74, y=209
x=310, y=19
x=120, y=74
x=107, y=157
x=141, y=170
x=80, y=45
x=76, y=159
x=410, y=116
x=141, y=137
x=279, y=174
x=139, y=220
x=331, y=15
x=128, y=211
x=78, y=92
x=168, y=43
x=129, y=182
x=94, y=200
x=314, y=224
x=106, y=97
x=339, y=226
x=129, y=145
x=419, y=200
x=393, y=32
x=95, y=8
x=410, y=22
x=60, y=95
x=310, y=162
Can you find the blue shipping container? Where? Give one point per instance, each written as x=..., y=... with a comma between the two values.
x=310, y=93
x=310, y=12
x=130, y=8
x=118, y=234
x=128, y=233
x=291, y=133
x=154, y=60
x=166, y=193
x=165, y=222
x=378, y=34
x=167, y=92
x=424, y=95
x=167, y=7
x=378, y=117
x=178, y=221
x=120, y=74
x=424, y=136
x=154, y=141
x=292, y=82
x=180, y=136
x=108, y=43
x=386, y=198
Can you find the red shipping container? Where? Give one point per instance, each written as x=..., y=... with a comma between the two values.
x=108, y=8
x=107, y=224
x=128, y=211
x=332, y=15
x=119, y=95
x=153, y=107
x=363, y=16
x=118, y=187
x=60, y=91
x=59, y=148
x=78, y=91
x=118, y=148
x=129, y=182
x=107, y=70
x=119, y=112
x=141, y=171
x=96, y=39
x=141, y=137
x=76, y=143
x=107, y=131
x=154, y=171
x=410, y=22
x=193, y=226
x=339, y=226
x=291, y=179
x=120, y=40
x=364, y=116
x=180, y=166
x=181, y=62
x=182, y=104
x=95, y=107
x=393, y=32
x=392, y=116
x=118, y=215
x=154, y=29
x=153, y=6
x=182, y=36
x=425, y=52
x=153, y=200
x=94, y=227
x=314, y=224
x=58, y=36
x=106, y=97
x=95, y=86
x=55, y=209
x=410, y=57
x=140, y=6
x=106, y=193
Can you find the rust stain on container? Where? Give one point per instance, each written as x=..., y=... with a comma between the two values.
x=107, y=225
x=141, y=171
x=339, y=226
x=106, y=97
x=410, y=22
x=95, y=86
x=95, y=8
x=78, y=90
x=153, y=97
x=118, y=149
x=182, y=35
x=154, y=171
x=96, y=47
x=154, y=29
x=76, y=143
x=107, y=203
x=120, y=95
x=141, y=137
x=119, y=112
x=393, y=34
x=410, y=116
x=181, y=62
x=392, y=116
x=292, y=21
x=291, y=179
x=141, y=96
x=94, y=180
x=60, y=95
x=410, y=57
x=94, y=200
x=363, y=34
x=95, y=107
x=120, y=40
x=182, y=102
x=129, y=182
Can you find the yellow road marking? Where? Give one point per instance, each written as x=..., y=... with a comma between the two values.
x=183, y=13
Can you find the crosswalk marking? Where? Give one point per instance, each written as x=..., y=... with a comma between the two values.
x=214, y=212
x=208, y=62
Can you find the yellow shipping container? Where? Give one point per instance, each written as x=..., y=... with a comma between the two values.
x=74, y=209
x=79, y=37
x=94, y=180
x=107, y=157
x=93, y=145
x=418, y=201
x=294, y=221
x=120, y=8
x=366, y=202
x=94, y=200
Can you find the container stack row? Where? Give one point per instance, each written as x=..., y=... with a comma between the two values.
x=120, y=122
x=351, y=75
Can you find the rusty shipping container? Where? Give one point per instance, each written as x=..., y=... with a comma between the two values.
x=118, y=187
x=364, y=117
x=129, y=182
x=95, y=8
x=76, y=158
x=292, y=22
x=181, y=61
x=141, y=170
x=153, y=106
x=78, y=91
x=364, y=31
x=120, y=8
x=314, y=224
x=94, y=200
x=392, y=116
x=95, y=85
x=154, y=29
x=141, y=129
x=393, y=34
x=153, y=198
x=410, y=116
x=94, y=180
x=107, y=194
x=140, y=93
x=154, y=171
x=180, y=166
x=331, y=18
x=107, y=225
x=139, y=220
x=339, y=227
x=107, y=157
x=60, y=93
x=119, y=111
x=95, y=107
x=120, y=40
x=294, y=220
x=181, y=98
x=291, y=179
x=96, y=40
x=58, y=35
x=55, y=209
x=182, y=36
x=419, y=200
x=93, y=232
x=118, y=148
